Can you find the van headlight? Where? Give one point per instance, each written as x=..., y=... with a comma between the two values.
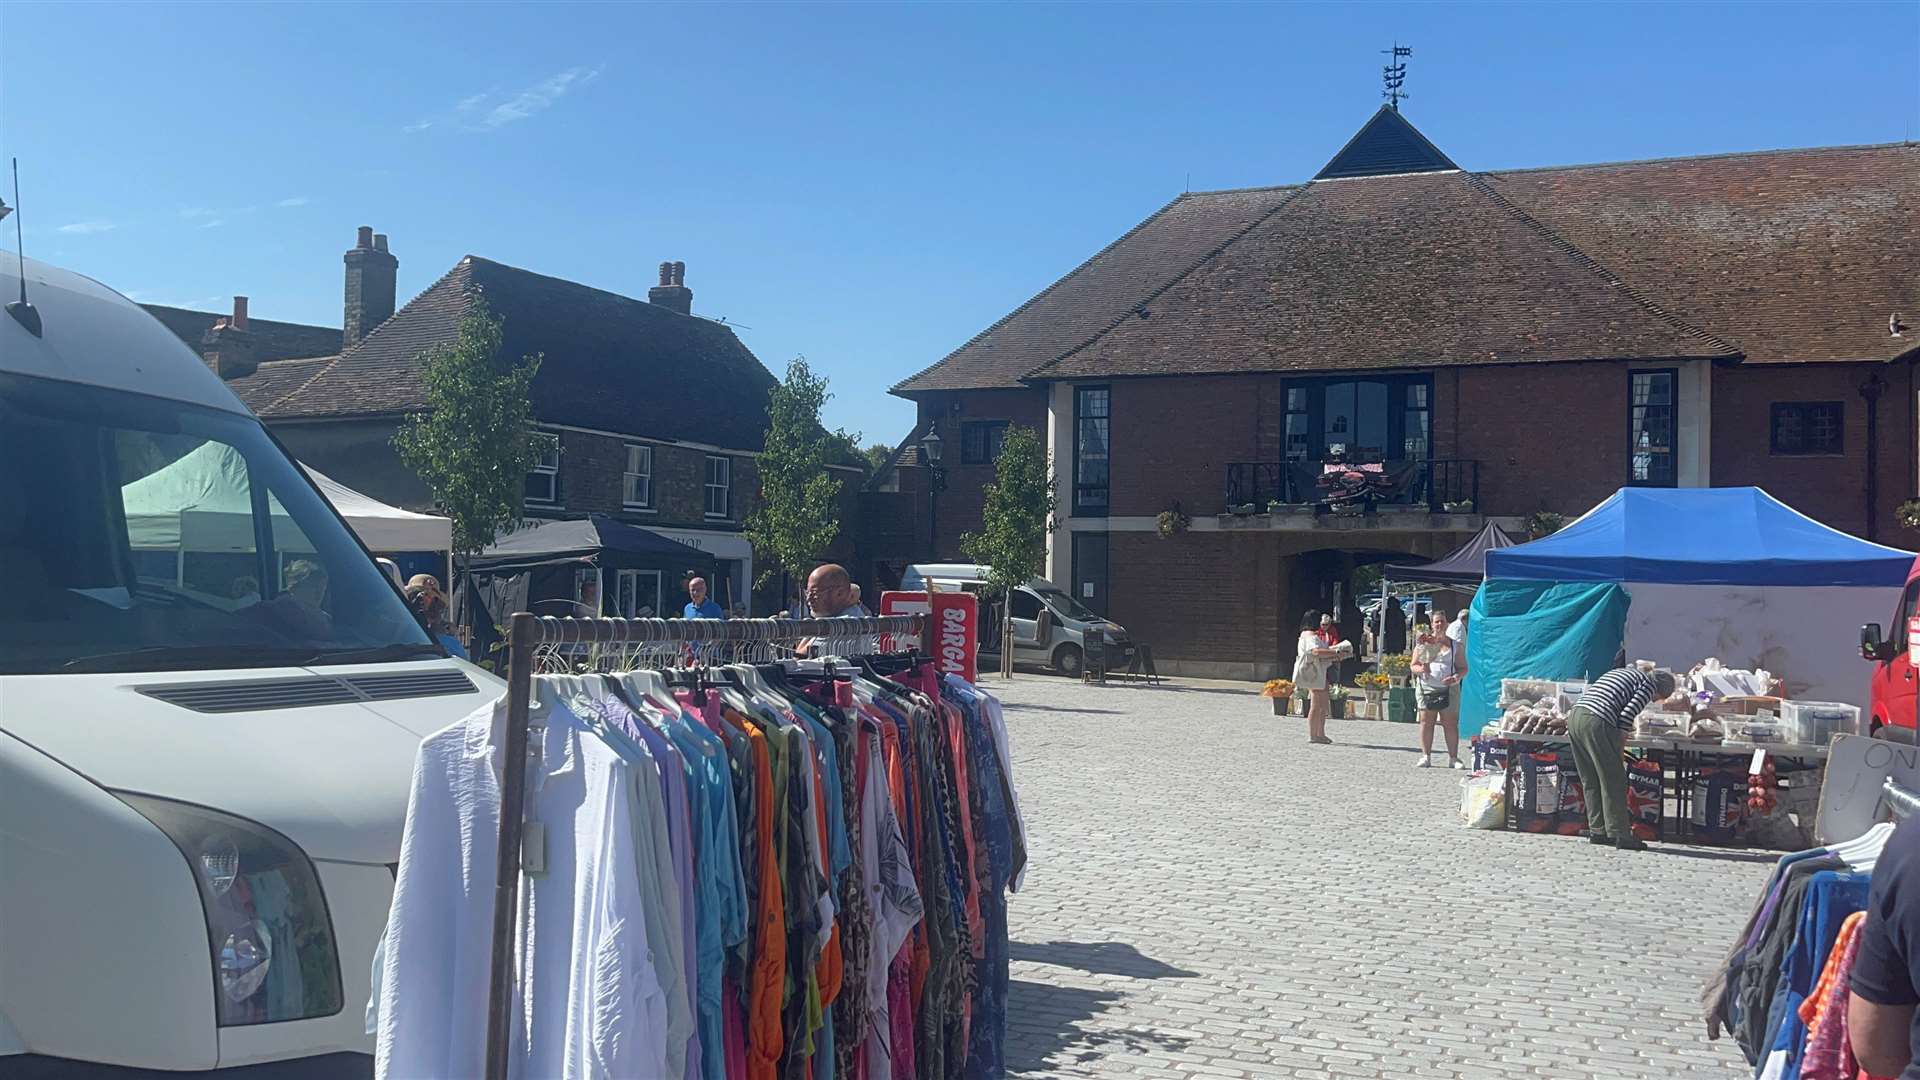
x=267, y=926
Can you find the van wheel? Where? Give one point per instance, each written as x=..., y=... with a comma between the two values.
x=1894, y=733
x=1068, y=661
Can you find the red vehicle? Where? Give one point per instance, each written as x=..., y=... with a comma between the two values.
x=1893, y=698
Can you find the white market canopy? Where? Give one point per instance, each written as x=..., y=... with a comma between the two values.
x=201, y=503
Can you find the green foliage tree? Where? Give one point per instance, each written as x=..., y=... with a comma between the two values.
x=877, y=455
x=797, y=515
x=474, y=443
x=1014, y=523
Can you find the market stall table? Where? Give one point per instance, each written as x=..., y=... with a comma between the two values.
x=1680, y=762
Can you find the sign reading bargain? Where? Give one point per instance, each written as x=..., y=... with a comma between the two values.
x=953, y=627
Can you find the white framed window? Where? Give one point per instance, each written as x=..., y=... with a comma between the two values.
x=636, y=594
x=719, y=487
x=586, y=593
x=637, y=484
x=543, y=481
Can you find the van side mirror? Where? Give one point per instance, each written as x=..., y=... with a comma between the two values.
x=1871, y=647
x=1043, y=625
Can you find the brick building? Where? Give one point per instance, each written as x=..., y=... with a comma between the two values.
x=1494, y=343
x=650, y=414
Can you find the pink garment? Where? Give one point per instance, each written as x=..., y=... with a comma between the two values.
x=900, y=1011
x=733, y=1029
x=1829, y=1052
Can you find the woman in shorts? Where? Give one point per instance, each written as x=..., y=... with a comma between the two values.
x=1436, y=679
x=1312, y=658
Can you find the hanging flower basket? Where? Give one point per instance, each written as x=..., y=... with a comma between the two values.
x=1908, y=514
x=1171, y=521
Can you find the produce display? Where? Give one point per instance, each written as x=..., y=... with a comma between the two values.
x=1761, y=786
x=1533, y=720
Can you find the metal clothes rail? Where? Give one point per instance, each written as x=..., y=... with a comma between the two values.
x=1904, y=803
x=527, y=633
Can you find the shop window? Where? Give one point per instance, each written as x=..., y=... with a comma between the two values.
x=981, y=440
x=636, y=594
x=637, y=483
x=1651, y=418
x=719, y=487
x=1092, y=449
x=1807, y=427
x=543, y=481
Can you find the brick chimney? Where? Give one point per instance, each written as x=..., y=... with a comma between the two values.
x=371, y=274
x=672, y=292
x=228, y=347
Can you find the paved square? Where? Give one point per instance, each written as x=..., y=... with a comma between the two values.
x=1210, y=895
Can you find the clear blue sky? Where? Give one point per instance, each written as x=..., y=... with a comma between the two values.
x=865, y=185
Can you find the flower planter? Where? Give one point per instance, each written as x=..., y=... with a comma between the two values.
x=1337, y=709
x=1279, y=706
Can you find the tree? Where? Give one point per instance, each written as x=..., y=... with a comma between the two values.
x=797, y=516
x=474, y=444
x=1014, y=523
x=877, y=455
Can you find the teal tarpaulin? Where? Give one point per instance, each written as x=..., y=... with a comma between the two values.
x=1537, y=630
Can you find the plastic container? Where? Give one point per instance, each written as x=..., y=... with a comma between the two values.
x=1815, y=723
x=1516, y=691
x=1758, y=730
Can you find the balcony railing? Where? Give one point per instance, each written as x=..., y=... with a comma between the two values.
x=1433, y=483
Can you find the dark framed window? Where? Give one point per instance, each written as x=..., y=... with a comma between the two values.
x=1807, y=427
x=1092, y=449
x=1651, y=418
x=981, y=440
x=719, y=487
x=1380, y=418
x=1090, y=571
x=543, y=480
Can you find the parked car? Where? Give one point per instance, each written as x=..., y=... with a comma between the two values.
x=209, y=710
x=1892, y=701
x=1050, y=627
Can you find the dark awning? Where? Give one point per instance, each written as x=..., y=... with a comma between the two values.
x=597, y=539
x=1465, y=566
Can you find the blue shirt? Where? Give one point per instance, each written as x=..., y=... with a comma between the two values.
x=706, y=609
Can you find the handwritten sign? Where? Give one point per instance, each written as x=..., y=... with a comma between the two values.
x=1850, y=800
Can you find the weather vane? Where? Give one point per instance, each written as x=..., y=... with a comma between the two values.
x=1395, y=75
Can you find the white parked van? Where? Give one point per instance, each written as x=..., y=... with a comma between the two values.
x=1060, y=640
x=207, y=718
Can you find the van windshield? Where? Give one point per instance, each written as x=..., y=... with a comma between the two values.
x=1067, y=605
x=139, y=534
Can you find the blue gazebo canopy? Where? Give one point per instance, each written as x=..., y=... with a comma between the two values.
x=1701, y=536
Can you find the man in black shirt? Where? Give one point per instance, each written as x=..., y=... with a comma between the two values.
x=1880, y=1013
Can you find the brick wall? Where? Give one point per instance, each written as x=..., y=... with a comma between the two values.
x=1830, y=488
x=592, y=480
x=1547, y=436
x=959, y=509
x=1173, y=439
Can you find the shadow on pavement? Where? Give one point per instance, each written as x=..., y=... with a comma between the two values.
x=1717, y=855
x=1044, y=1021
x=1019, y=706
x=1441, y=765
x=1098, y=958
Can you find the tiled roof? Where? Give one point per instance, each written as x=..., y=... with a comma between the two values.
x=1392, y=271
x=272, y=340
x=276, y=379
x=1084, y=302
x=1385, y=145
x=609, y=362
x=1791, y=255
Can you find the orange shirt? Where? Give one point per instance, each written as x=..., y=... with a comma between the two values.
x=1813, y=1010
x=765, y=979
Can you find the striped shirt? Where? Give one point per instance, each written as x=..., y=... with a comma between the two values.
x=1619, y=695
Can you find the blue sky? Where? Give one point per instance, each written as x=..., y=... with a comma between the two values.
x=865, y=185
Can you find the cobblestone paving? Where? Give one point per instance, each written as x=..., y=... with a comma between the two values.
x=1209, y=895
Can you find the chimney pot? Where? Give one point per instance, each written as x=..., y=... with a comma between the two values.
x=666, y=273
x=679, y=273
x=672, y=292
x=372, y=274
x=240, y=313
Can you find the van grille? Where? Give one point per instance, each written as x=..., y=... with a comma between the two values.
x=260, y=695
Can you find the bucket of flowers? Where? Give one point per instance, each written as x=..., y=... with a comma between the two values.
x=1373, y=687
x=1281, y=691
x=1396, y=667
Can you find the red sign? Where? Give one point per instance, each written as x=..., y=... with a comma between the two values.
x=953, y=627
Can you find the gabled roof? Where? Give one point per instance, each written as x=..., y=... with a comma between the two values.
x=609, y=362
x=1792, y=255
x=271, y=340
x=1089, y=298
x=1385, y=145
x=274, y=380
x=1416, y=269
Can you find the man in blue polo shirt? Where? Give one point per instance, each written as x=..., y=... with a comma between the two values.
x=700, y=607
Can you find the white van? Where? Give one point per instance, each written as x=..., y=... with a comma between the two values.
x=1059, y=641
x=207, y=719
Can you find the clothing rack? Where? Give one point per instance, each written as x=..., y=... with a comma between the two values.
x=1903, y=802
x=525, y=634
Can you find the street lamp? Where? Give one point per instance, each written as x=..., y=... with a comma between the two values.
x=937, y=483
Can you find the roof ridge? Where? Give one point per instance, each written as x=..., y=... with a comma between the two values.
x=1247, y=190
x=1903, y=144
x=651, y=306
x=347, y=350
x=1035, y=298
x=1209, y=256
x=1593, y=266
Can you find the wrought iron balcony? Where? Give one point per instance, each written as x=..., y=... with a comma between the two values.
x=1435, y=483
